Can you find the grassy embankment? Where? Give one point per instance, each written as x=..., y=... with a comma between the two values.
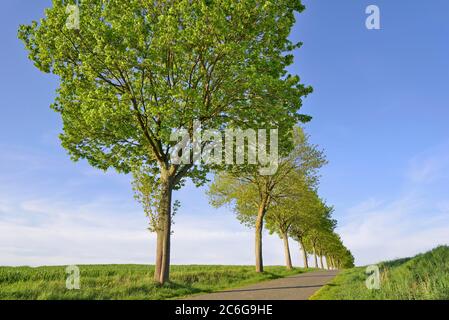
x=128, y=281
x=425, y=276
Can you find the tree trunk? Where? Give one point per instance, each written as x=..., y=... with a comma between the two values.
x=162, y=270
x=321, y=261
x=316, y=259
x=326, y=259
x=288, y=259
x=158, y=264
x=304, y=254
x=259, y=229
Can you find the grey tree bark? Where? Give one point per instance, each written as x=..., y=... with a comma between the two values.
x=288, y=259
x=258, y=238
x=315, y=256
x=162, y=267
x=304, y=254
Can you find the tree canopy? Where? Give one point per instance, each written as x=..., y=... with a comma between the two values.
x=134, y=71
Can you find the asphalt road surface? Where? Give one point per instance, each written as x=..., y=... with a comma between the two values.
x=297, y=287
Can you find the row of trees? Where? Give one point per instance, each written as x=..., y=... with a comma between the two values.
x=287, y=202
x=133, y=71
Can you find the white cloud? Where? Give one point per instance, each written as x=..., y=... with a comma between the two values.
x=64, y=227
x=4, y=206
x=416, y=221
x=429, y=166
x=62, y=217
x=443, y=206
x=48, y=232
x=395, y=230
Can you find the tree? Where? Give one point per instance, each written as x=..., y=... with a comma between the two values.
x=323, y=225
x=252, y=195
x=135, y=71
x=330, y=246
x=298, y=232
x=336, y=253
x=282, y=217
x=324, y=245
x=306, y=220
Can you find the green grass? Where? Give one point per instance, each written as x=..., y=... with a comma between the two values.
x=425, y=276
x=128, y=281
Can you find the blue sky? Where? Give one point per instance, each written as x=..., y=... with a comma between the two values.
x=380, y=108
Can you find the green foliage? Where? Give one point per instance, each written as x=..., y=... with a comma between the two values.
x=307, y=217
x=313, y=227
x=320, y=226
x=239, y=193
x=247, y=191
x=127, y=281
x=425, y=276
x=147, y=192
x=136, y=70
x=293, y=209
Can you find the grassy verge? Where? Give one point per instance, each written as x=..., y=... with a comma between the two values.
x=128, y=281
x=425, y=276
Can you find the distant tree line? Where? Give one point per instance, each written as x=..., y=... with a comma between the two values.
x=288, y=203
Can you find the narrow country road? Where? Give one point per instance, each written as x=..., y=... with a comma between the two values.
x=297, y=287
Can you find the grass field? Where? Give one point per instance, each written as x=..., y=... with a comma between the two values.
x=128, y=281
x=425, y=276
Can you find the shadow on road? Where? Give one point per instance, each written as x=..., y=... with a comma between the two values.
x=274, y=288
x=314, y=276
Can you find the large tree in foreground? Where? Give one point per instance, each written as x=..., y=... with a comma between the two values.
x=133, y=71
